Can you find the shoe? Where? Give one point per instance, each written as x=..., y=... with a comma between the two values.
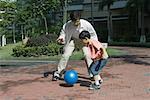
x=55, y=76
x=94, y=87
x=101, y=81
x=92, y=78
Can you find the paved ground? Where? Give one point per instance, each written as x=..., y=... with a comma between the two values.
x=125, y=78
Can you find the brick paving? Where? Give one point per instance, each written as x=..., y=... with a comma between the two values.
x=125, y=78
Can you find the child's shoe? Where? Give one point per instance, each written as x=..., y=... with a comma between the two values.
x=101, y=81
x=94, y=87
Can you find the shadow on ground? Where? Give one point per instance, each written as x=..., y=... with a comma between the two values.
x=135, y=59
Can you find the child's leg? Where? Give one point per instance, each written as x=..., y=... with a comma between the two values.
x=96, y=67
x=88, y=61
x=96, y=85
x=92, y=70
x=101, y=64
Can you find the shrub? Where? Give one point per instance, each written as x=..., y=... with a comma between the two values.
x=50, y=50
x=18, y=51
x=42, y=40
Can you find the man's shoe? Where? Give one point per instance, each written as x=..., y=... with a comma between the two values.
x=55, y=76
x=92, y=78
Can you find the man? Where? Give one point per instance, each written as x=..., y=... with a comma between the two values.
x=69, y=33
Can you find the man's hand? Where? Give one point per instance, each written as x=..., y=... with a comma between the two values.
x=60, y=41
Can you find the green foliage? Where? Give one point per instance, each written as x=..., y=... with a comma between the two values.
x=33, y=14
x=50, y=50
x=115, y=52
x=8, y=16
x=42, y=40
x=6, y=51
x=134, y=5
x=55, y=28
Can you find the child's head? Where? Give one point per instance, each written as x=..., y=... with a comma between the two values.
x=84, y=36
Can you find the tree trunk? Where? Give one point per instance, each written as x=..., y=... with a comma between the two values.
x=3, y=40
x=22, y=37
x=46, y=27
x=141, y=25
x=109, y=26
x=65, y=12
x=45, y=22
x=33, y=30
x=14, y=37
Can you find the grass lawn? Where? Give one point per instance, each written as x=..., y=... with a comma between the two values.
x=115, y=52
x=6, y=51
x=6, y=54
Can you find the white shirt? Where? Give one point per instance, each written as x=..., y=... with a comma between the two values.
x=69, y=30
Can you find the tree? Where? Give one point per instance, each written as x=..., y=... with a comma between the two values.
x=139, y=6
x=8, y=17
x=108, y=3
x=64, y=4
x=42, y=7
x=30, y=12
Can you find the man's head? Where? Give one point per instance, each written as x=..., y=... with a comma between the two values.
x=84, y=36
x=75, y=17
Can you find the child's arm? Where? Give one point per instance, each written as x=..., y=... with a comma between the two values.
x=99, y=54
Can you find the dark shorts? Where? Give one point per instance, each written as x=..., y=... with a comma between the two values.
x=97, y=66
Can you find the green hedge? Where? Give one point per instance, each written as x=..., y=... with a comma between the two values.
x=50, y=50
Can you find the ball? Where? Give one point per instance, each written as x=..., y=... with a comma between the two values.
x=71, y=77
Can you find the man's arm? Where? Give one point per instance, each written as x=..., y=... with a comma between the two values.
x=61, y=38
x=92, y=32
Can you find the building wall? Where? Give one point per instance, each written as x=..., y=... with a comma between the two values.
x=121, y=24
x=147, y=30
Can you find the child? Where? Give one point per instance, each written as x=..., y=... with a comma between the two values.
x=98, y=55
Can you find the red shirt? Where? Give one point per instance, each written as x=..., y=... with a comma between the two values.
x=96, y=49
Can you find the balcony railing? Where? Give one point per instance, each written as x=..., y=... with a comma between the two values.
x=75, y=7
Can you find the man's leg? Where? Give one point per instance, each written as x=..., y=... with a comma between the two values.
x=88, y=60
x=64, y=59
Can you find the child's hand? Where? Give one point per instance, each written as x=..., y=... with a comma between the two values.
x=97, y=58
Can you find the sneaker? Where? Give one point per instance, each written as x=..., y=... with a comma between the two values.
x=55, y=76
x=101, y=81
x=92, y=78
x=94, y=87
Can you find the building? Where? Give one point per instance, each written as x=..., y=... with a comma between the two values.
x=124, y=28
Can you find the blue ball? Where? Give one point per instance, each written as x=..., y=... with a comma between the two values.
x=71, y=77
